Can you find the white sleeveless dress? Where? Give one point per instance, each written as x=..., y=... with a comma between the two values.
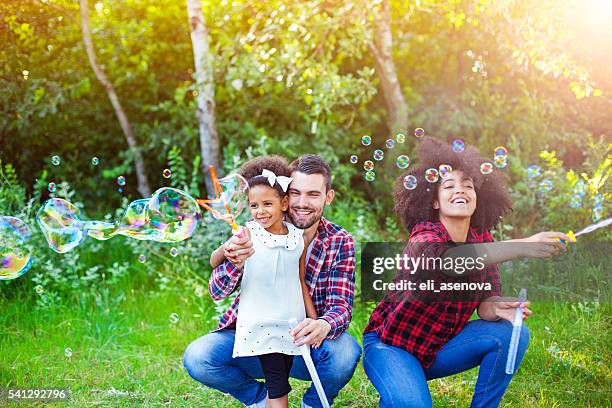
x=270, y=293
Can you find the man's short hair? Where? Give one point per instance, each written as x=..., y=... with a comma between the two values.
x=313, y=164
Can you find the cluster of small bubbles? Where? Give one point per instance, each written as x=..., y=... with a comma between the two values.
x=580, y=188
x=390, y=143
x=501, y=151
x=533, y=171
x=167, y=173
x=68, y=352
x=458, y=145
x=142, y=258
x=444, y=170
x=400, y=138
x=52, y=187
x=174, y=318
x=575, y=201
x=370, y=176
x=173, y=251
x=366, y=140
x=378, y=155
x=545, y=186
x=354, y=159
x=410, y=182
x=500, y=161
x=432, y=175
x=39, y=289
x=419, y=132
x=121, y=181
x=598, y=209
x=486, y=168
x=95, y=161
x=402, y=161
x=368, y=165
x=55, y=160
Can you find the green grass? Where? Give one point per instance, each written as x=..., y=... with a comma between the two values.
x=123, y=340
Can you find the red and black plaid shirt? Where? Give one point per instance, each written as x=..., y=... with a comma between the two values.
x=330, y=277
x=423, y=327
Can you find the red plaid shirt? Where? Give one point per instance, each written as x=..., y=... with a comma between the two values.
x=423, y=327
x=330, y=277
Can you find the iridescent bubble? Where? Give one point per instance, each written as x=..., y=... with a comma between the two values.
x=142, y=258
x=444, y=170
x=368, y=165
x=545, y=186
x=366, y=140
x=167, y=173
x=173, y=252
x=400, y=138
x=229, y=203
x=174, y=318
x=533, y=171
x=378, y=155
x=598, y=199
x=597, y=213
x=121, y=180
x=39, y=289
x=458, y=145
x=52, y=187
x=390, y=143
x=15, y=259
x=419, y=132
x=199, y=291
x=402, y=161
x=580, y=188
x=432, y=175
x=68, y=352
x=501, y=151
x=175, y=214
x=370, y=176
x=354, y=159
x=575, y=201
x=500, y=161
x=410, y=182
x=486, y=168
x=55, y=160
x=95, y=161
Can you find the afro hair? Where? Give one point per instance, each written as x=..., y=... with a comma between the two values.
x=252, y=169
x=414, y=206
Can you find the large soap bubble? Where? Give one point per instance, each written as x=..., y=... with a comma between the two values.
x=230, y=198
x=15, y=258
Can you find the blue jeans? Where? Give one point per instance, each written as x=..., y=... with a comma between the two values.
x=401, y=381
x=209, y=361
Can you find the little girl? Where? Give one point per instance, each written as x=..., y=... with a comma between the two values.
x=273, y=289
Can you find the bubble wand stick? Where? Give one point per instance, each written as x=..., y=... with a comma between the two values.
x=517, y=324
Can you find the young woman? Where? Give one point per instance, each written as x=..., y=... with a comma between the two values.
x=412, y=336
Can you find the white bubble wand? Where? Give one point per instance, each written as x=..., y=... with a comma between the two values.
x=517, y=324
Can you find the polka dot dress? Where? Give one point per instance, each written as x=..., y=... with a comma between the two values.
x=270, y=293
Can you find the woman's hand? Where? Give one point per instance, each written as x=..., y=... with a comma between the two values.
x=238, y=248
x=506, y=309
x=544, y=244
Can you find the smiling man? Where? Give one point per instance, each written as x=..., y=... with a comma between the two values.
x=330, y=276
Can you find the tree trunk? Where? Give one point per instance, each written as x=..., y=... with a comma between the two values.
x=397, y=109
x=141, y=174
x=209, y=144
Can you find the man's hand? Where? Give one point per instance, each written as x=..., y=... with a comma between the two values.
x=507, y=309
x=311, y=332
x=238, y=249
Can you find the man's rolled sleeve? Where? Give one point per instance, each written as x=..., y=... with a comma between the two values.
x=224, y=279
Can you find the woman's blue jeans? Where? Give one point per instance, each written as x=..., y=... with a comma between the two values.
x=402, y=382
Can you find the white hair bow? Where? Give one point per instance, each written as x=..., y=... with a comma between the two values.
x=282, y=181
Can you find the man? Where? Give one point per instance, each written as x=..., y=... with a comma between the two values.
x=330, y=276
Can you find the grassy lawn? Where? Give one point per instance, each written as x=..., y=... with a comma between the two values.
x=127, y=352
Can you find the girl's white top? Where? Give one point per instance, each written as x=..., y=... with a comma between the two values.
x=270, y=293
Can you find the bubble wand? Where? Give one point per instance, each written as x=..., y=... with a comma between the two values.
x=588, y=229
x=517, y=324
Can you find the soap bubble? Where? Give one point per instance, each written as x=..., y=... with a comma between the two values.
x=366, y=140
x=419, y=132
x=500, y=161
x=142, y=258
x=410, y=182
x=199, y=291
x=15, y=259
x=580, y=188
x=458, y=145
x=598, y=199
x=486, y=168
x=533, y=171
x=121, y=180
x=55, y=160
x=575, y=201
x=68, y=352
x=39, y=289
x=173, y=252
x=402, y=161
x=501, y=151
x=52, y=187
x=230, y=198
x=167, y=173
x=60, y=224
x=545, y=186
x=368, y=165
x=378, y=155
x=370, y=176
x=175, y=213
x=95, y=161
x=400, y=138
x=431, y=175
x=174, y=318
x=444, y=170
x=597, y=214
x=390, y=143
x=354, y=159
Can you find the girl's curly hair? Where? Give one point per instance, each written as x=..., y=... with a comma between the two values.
x=251, y=171
x=414, y=206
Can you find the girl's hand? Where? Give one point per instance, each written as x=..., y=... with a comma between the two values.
x=238, y=249
x=507, y=309
x=544, y=244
